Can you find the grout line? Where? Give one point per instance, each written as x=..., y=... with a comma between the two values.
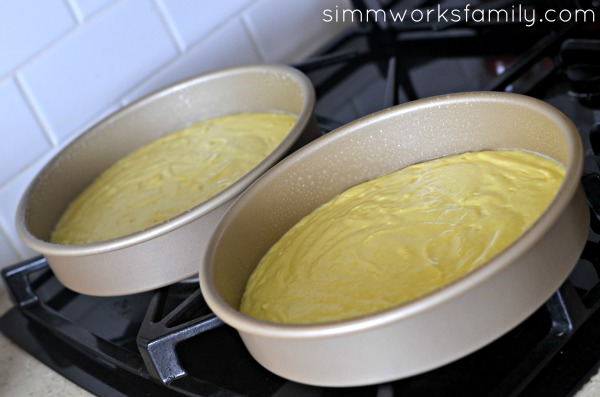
x=56, y=41
x=171, y=26
x=124, y=100
x=32, y=57
x=36, y=110
x=252, y=36
x=75, y=10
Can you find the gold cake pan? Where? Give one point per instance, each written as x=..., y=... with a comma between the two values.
x=170, y=251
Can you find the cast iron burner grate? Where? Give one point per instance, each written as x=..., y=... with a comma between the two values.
x=178, y=347
x=168, y=343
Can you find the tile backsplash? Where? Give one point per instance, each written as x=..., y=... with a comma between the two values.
x=66, y=64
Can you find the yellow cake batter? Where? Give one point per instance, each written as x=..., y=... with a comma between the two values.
x=170, y=175
x=400, y=236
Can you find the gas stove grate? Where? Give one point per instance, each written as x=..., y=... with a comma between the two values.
x=169, y=340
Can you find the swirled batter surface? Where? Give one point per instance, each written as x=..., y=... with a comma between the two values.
x=171, y=175
x=400, y=236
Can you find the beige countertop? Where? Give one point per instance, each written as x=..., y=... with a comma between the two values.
x=23, y=375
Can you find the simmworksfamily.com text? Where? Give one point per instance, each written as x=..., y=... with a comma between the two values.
x=515, y=14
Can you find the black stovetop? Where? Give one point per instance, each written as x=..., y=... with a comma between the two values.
x=167, y=342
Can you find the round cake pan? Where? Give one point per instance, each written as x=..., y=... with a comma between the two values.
x=170, y=251
x=437, y=328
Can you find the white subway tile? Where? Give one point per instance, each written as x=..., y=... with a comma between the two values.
x=9, y=255
x=76, y=74
x=23, y=140
x=96, y=65
x=288, y=31
x=193, y=20
x=10, y=196
x=90, y=7
x=228, y=46
x=24, y=32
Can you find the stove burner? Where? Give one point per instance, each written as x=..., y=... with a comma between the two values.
x=581, y=60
